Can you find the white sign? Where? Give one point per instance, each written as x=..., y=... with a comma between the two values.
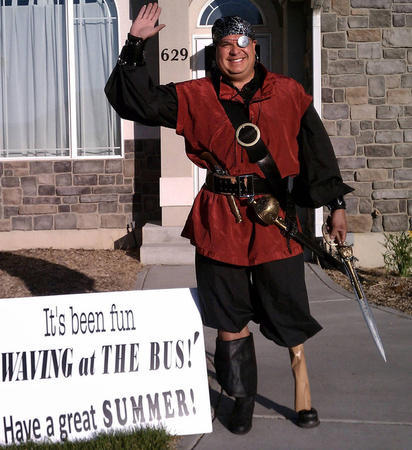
x=75, y=365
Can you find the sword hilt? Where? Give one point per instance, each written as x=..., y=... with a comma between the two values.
x=346, y=254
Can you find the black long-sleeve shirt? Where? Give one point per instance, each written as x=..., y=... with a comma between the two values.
x=135, y=97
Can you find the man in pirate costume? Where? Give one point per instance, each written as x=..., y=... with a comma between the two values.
x=246, y=270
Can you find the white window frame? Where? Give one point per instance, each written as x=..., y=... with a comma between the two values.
x=71, y=81
x=317, y=91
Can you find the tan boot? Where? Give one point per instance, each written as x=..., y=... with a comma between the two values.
x=307, y=416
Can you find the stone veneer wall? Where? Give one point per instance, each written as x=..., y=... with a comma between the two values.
x=367, y=107
x=81, y=194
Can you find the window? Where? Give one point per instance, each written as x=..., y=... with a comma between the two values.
x=56, y=56
x=221, y=8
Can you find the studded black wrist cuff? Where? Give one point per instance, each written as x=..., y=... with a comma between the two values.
x=337, y=203
x=132, y=53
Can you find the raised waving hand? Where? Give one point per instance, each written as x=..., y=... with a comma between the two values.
x=144, y=24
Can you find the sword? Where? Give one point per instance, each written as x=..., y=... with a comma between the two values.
x=267, y=208
x=346, y=255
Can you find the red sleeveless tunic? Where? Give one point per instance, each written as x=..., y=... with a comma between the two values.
x=276, y=109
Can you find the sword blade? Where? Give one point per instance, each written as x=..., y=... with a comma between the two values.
x=364, y=306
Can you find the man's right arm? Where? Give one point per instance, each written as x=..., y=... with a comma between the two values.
x=130, y=90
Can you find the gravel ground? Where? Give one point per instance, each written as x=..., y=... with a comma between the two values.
x=381, y=288
x=37, y=272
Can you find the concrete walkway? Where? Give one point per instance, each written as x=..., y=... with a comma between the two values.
x=363, y=403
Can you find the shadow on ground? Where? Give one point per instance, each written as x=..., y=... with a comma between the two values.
x=44, y=278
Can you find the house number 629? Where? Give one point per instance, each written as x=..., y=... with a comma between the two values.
x=174, y=54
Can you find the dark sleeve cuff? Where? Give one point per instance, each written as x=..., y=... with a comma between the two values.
x=131, y=38
x=132, y=53
x=337, y=203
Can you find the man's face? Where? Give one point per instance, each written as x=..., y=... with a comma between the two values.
x=236, y=63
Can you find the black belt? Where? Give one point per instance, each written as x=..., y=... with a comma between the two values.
x=241, y=186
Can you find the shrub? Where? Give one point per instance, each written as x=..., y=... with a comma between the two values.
x=398, y=254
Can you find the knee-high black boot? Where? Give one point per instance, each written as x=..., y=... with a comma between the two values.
x=236, y=372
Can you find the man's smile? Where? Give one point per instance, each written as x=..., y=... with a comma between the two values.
x=234, y=61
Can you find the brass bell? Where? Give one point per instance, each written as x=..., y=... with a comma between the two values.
x=266, y=208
